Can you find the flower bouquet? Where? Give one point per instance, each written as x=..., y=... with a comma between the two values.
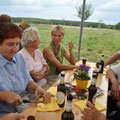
x=82, y=77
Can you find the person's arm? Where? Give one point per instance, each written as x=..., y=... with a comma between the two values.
x=112, y=59
x=12, y=116
x=50, y=55
x=37, y=75
x=10, y=98
x=70, y=57
x=41, y=74
x=115, y=85
x=92, y=113
x=32, y=87
x=45, y=70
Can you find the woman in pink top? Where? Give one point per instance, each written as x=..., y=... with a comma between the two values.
x=36, y=62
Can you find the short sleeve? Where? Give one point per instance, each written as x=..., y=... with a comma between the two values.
x=116, y=70
x=118, y=52
x=40, y=57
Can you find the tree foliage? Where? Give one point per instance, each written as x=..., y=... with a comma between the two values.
x=88, y=11
x=117, y=26
x=60, y=22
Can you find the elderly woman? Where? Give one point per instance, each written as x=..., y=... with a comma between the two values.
x=15, y=78
x=55, y=52
x=37, y=65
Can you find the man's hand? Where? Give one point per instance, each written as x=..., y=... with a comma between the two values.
x=115, y=89
x=11, y=98
x=92, y=113
x=115, y=84
x=46, y=95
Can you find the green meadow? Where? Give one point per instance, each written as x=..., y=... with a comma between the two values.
x=95, y=42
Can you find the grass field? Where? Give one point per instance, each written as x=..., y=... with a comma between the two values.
x=95, y=41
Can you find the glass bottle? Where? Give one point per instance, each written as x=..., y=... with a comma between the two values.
x=31, y=117
x=61, y=91
x=68, y=114
x=84, y=60
x=92, y=88
x=101, y=65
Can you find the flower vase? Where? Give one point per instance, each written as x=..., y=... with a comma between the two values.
x=82, y=84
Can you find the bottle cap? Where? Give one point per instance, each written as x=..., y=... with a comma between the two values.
x=84, y=60
x=102, y=55
x=63, y=73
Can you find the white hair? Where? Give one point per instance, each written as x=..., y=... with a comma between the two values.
x=29, y=34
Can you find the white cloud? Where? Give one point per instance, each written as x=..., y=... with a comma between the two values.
x=106, y=10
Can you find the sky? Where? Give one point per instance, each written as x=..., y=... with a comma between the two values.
x=105, y=11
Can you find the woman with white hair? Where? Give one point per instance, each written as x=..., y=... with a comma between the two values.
x=37, y=65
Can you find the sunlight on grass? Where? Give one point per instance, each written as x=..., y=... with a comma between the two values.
x=95, y=42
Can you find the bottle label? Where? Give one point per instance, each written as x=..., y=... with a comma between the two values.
x=94, y=74
x=93, y=81
x=60, y=97
x=62, y=80
x=102, y=58
x=68, y=106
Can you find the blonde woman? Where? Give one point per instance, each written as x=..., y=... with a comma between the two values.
x=55, y=52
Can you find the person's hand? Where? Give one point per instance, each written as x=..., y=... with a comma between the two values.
x=11, y=98
x=118, y=104
x=71, y=45
x=12, y=116
x=36, y=75
x=92, y=113
x=46, y=95
x=115, y=89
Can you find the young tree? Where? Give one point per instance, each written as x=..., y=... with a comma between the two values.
x=88, y=11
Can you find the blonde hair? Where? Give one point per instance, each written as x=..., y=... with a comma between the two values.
x=59, y=28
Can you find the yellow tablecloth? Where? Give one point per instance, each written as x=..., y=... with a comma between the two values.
x=48, y=107
x=52, y=90
x=82, y=104
x=79, y=63
x=104, y=72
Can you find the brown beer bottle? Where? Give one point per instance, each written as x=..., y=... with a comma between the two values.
x=92, y=89
x=31, y=117
x=101, y=65
x=84, y=60
x=68, y=114
x=61, y=91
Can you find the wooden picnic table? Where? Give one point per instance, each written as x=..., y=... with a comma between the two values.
x=102, y=82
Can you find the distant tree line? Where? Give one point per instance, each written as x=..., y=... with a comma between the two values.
x=62, y=22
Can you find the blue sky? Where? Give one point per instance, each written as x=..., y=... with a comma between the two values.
x=106, y=11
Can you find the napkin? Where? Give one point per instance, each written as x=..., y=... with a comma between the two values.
x=52, y=90
x=82, y=104
x=104, y=72
x=79, y=63
x=48, y=107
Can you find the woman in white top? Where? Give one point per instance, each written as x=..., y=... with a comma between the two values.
x=36, y=62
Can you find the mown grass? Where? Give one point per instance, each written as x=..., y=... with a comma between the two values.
x=94, y=43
